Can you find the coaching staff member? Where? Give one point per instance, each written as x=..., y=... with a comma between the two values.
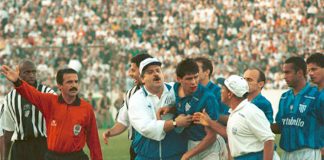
x=70, y=121
x=22, y=122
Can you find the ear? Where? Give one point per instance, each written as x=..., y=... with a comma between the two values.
x=179, y=79
x=142, y=79
x=59, y=87
x=261, y=84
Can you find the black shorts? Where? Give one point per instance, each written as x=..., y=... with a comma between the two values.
x=80, y=155
x=31, y=149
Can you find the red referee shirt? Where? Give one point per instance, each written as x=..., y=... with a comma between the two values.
x=69, y=126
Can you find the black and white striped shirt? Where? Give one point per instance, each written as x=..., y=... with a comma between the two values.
x=122, y=116
x=23, y=118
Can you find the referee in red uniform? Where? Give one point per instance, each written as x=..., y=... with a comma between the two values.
x=70, y=121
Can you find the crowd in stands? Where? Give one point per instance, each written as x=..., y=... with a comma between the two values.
x=99, y=37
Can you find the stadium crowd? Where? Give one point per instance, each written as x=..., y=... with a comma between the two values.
x=98, y=38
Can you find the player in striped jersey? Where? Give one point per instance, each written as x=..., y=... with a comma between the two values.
x=122, y=122
x=298, y=118
x=22, y=122
x=315, y=67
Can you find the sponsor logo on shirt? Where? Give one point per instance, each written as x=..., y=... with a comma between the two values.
x=77, y=129
x=293, y=122
x=302, y=108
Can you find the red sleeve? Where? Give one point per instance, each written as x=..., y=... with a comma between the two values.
x=93, y=139
x=37, y=98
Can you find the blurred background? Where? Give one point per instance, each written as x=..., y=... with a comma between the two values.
x=99, y=37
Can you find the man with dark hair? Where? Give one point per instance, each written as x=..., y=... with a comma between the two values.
x=205, y=72
x=122, y=120
x=248, y=130
x=315, y=67
x=256, y=80
x=298, y=119
x=70, y=120
x=192, y=97
x=22, y=122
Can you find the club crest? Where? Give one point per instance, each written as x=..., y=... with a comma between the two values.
x=302, y=108
x=77, y=129
x=187, y=107
x=26, y=109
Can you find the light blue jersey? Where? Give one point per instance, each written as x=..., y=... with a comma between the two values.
x=262, y=103
x=197, y=102
x=299, y=120
x=216, y=90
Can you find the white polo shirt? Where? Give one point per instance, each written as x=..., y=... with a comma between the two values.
x=247, y=129
x=143, y=106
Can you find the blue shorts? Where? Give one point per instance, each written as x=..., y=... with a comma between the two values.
x=251, y=156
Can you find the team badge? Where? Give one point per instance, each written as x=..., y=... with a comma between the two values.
x=187, y=107
x=302, y=108
x=53, y=123
x=26, y=109
x=77, y=129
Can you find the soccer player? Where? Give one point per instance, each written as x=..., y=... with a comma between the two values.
x=22, y=122
x=154, y=138
x=192, y=97
x=70, y=120
x=248, y=130
x=298, y=118
x=256, y=80
x=122, y=122
x=205, y=72
x=315, y=67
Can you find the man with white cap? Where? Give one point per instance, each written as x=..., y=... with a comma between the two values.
x=248, y=130
x=154, y=138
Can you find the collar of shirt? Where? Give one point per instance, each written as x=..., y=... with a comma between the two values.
x=256, y=97
x=239, y=107
x=194, y=95
x=301, y=92
x=166, y=88
x=76, y=102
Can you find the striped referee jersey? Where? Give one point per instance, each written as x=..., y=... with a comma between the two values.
x=122, y=116
x=23, y=118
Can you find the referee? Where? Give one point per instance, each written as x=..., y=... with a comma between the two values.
x=22, y=122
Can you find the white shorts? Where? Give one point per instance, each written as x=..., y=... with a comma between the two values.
x=302, y=154
x=217, y=151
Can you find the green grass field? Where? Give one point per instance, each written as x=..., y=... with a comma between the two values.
x=118, y=146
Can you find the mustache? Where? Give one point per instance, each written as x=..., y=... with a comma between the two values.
x=73, y=89
x=156, y=78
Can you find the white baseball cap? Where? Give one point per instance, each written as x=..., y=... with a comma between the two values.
x=236, y=84
x=148, y=61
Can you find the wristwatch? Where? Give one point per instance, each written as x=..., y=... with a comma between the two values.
x=174, y=123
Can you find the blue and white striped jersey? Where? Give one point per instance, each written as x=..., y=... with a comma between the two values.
x=298, y=119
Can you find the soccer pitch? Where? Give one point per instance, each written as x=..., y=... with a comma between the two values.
x=118, y=147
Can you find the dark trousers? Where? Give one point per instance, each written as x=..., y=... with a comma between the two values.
x=31, y=149
x=132, y=153
x=80, y=155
